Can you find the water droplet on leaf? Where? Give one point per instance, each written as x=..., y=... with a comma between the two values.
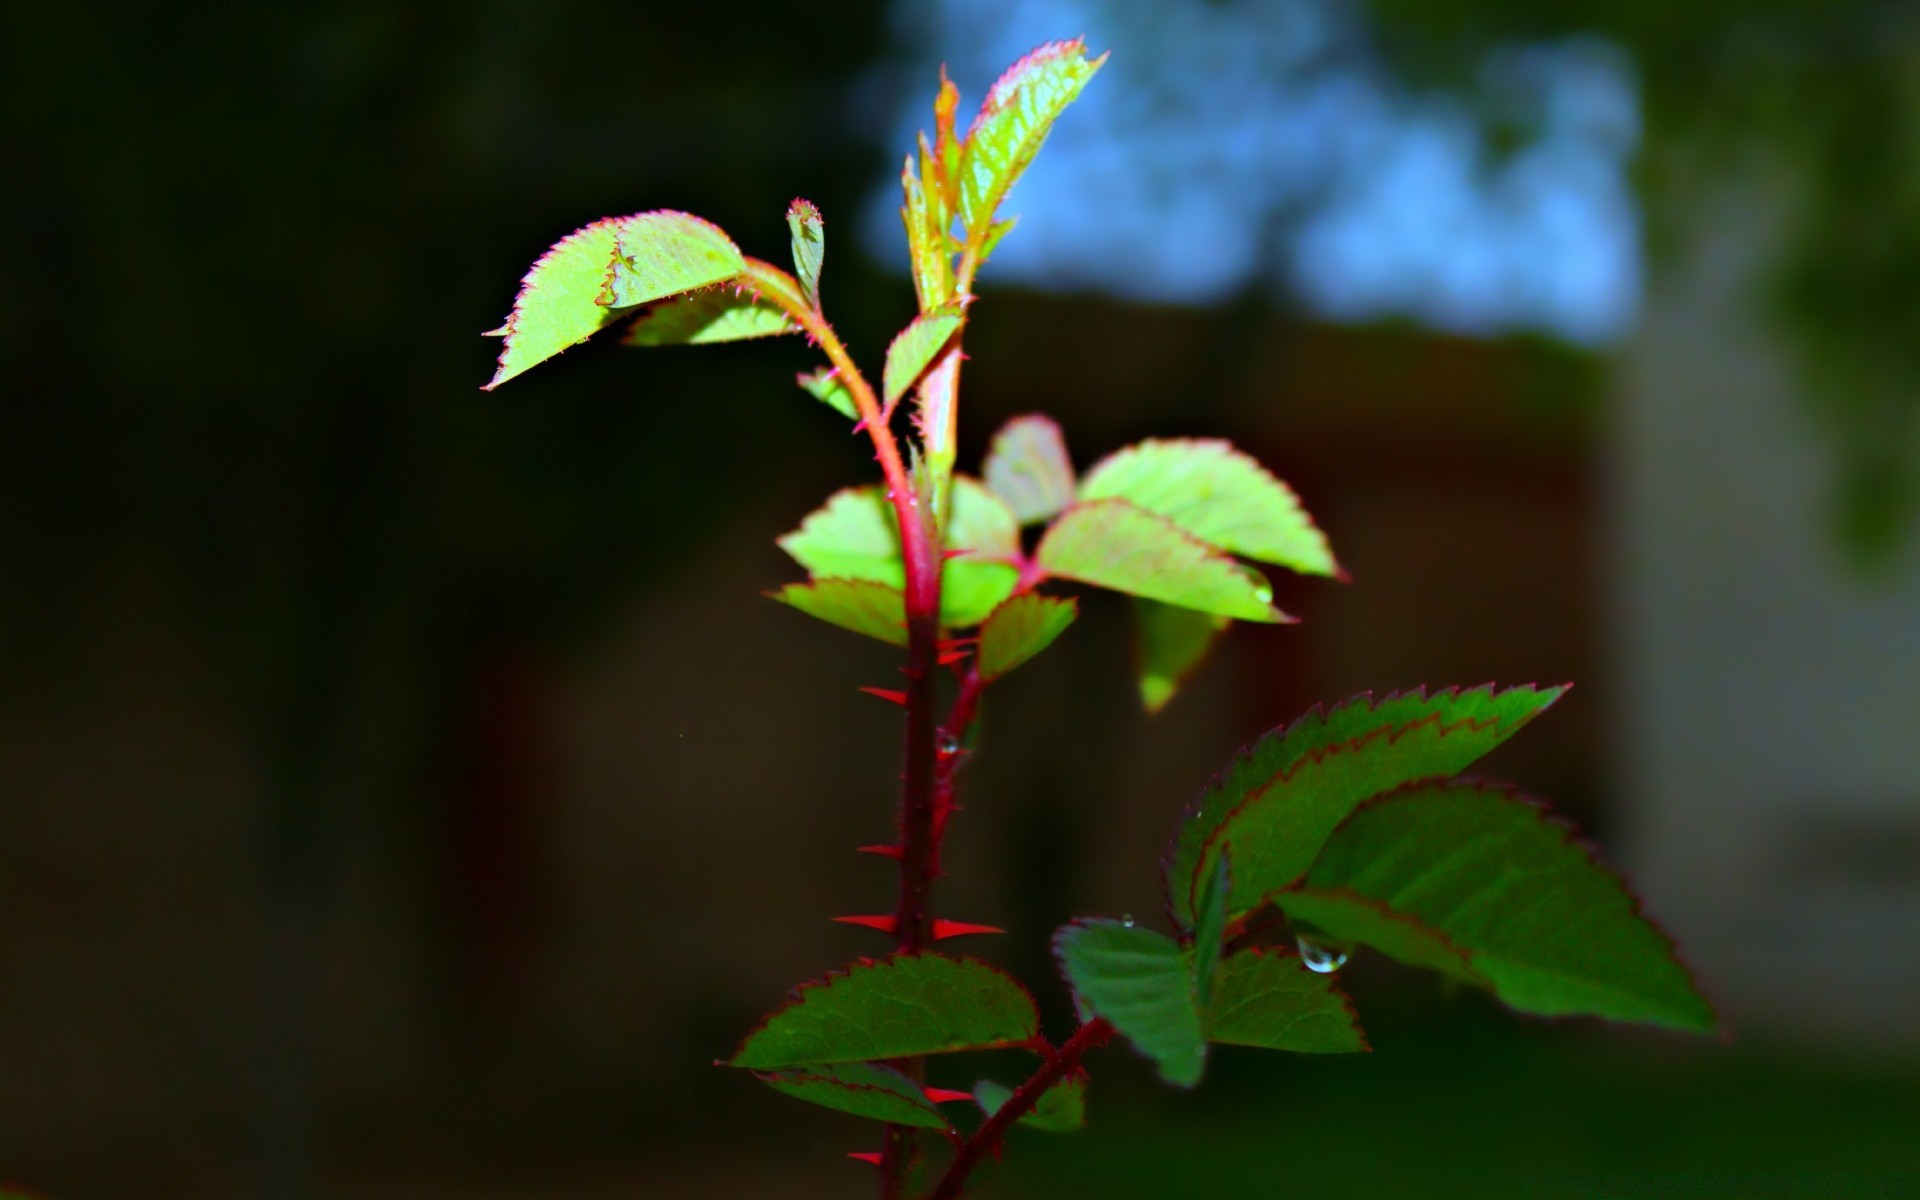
x=1127, y=920
x=1323, y=957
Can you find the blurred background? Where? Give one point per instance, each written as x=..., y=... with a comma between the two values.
x=406, y=792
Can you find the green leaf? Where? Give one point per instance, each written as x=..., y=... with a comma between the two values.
x=597, y=274
x=863, y=1089
x=913, y=350
x=809, y=247
x=1209, y=930
x=1027, y=466
x=1170, y=643
x=1113, y=544
x=1267, y=998
x=861, y=605
x=1348, y=918
x=899, y=1007
x=1551, y=930
x=1217, y=494
x=1021, y=628
x=1062, y=1108
x=855, y=536
x=826, y=386
x=1257, y=778
x=711, y=315
x=1012, y=124
x=1140, y=981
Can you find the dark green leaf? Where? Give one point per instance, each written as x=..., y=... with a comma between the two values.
x=1209, y=929
x=1027, y=466
x=1551, y=930
x=1169, y=644
x=1217, y=494
x=913, y=350
x=899, y=1007
x=598, y=274
x=861, y=605
x=1013, y=121
x=1062, y=1108
x=809, y=247
x=1261, y=768
x=1021, y=628
x=863, y=1089
x=1114, y=545
x=710, y=315
x=1267, y=998
x=1141, y=982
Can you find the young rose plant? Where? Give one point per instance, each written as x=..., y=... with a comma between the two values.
x=1347, y=827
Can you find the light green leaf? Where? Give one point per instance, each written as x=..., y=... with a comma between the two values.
x=855, y=536
x=1209, y=929
x=860, y=605
x=597, y=274
x=809, y=247
x=1169, y=644
x=1217, y=494
x=1551, y=930
x=1488, y=716
x=1267, y=998
x=1062, y=1108
x=1012, y=124
x=826, y=386
x=1020, y=629
x=913, y=350
x=863, y=1089
x=1027, y=466
x=899, y=1007
x=1113, y=544
x=1140, y=981
x=711, y=315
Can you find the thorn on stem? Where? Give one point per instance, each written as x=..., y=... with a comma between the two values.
x=871, y=1157
x=891, y=697
x=893, y=852
x=949, y=929
x=940, y=1095
x=883, y=923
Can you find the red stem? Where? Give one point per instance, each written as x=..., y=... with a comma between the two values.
x=987, y=1138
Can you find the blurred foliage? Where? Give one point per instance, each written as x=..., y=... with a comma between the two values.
x=1818, y=99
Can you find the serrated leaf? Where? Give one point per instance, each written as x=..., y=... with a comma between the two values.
x=1268, y=998
x=826, y=386
x=1021, y=628
x=590, y=278
x=855, y=536
x=1546, y=926
x=928, y=252
x=1170, y=643
x=913, y=350
x=1013, y=122
x=1113, y=544
x=899, y=1007
x=1140, y=982
x=1262, y=766
x=809, y=232
x=707, y=316
x=1209, y=929
x=1027, y=466
x=860, y=605
x=1062, y=1108
x=1219, y=495
x=863, y=1089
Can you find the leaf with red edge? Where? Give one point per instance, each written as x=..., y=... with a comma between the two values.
x=809, y=232
x=1113, y=544
x=1140, y=982
x=711, y=315
x=599, y=273
x=1027, y=466
x=1013, y=122
x=860, y=605
x=1265, y=765
x=1062, y=1108
x=913, y=350
x=1021, y=628
x=899, y=1007
x=863, y=1089
x=1218, y=494
x=1491, y=872
x=1268, y=998
x=1170, y=643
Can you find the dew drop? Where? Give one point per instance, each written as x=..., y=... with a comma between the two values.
x=947, y=744
x=1324, y=958
x=1127, y=920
